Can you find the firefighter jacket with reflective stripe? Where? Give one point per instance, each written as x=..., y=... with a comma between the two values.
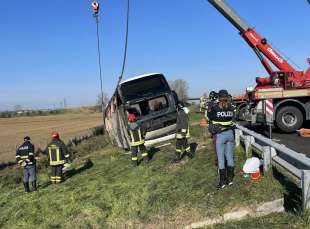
x=182, y=128
x=57, y=152
x=221, y=118
x=25, y=153
x=135, y=133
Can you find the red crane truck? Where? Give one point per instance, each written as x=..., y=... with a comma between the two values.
x=287, y=88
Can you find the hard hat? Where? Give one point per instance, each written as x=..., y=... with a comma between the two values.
x=27, y=138
x=223, y=93
x=131, y=117
x=212, y=94
x=54, y=134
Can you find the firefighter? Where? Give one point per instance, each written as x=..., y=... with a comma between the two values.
x=221, y=116
x=202, y=103
x=58, y=156
x=136, y=140
x=182, y=134
x=25, y=158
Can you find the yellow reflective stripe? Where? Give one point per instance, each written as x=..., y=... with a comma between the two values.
x=30, y=154
x=24, y=157
x=223, y=123
x=183, y=130
x=179, y=136
x=137, y=143
x=144, y=154
x=134, y=158
x=178, y=150
x=188, y=149
x=17, y=156
x=57, y=162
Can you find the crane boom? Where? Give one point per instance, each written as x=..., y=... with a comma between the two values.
x=230, y=15
x=259, y=44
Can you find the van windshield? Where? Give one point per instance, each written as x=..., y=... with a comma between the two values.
x=144, y=87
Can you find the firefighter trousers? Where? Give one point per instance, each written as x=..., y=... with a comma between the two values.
x=182, y=146
x=56, y=176
x=134, y=152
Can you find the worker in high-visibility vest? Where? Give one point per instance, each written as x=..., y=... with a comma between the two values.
x=136, y=140
x=25, y=158
x=58, y=156
x=221, y=116
x=203, y=104
x=182, y=147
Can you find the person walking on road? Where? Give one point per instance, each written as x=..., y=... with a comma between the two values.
x=25, y=158
x=182, y=134
x=221, y=116
x=58, y=156
x=136, y=140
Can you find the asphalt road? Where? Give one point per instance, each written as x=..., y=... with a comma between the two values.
x=292, y=140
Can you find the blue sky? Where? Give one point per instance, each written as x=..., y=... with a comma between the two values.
x=48, y=48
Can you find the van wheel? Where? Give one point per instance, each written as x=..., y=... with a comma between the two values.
x=289, y=119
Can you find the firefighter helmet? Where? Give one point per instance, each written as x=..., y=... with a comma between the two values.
x=54, y=134
x=131, y=117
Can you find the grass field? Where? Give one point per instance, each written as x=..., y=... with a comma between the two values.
x=109, y=193
x=12, y=130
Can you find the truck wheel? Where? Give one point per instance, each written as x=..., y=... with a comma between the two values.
x=289, y=119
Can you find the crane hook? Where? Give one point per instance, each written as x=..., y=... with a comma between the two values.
x=95, y=6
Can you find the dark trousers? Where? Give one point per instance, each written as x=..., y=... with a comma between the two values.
x=29, y=171
x=56, y=176
x=134, y=152
x=182, y=146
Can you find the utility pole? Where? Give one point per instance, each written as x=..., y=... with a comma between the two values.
x=95, y=7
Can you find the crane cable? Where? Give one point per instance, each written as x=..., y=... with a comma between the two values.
x=126, y=44
x=95, y=8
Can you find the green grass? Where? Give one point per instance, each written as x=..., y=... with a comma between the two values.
x=272, y=221
x=111, y=193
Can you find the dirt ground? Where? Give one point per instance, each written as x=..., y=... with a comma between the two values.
x=13, y=130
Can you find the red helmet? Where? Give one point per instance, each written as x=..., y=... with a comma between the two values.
x=54, y=134
x=131, y=117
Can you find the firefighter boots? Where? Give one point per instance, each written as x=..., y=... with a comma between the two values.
x=222, y=182
x=26, y=186
x=34, y=186
x=230, y=175
x=177, y=158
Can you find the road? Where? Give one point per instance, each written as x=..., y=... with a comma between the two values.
x=292, y=140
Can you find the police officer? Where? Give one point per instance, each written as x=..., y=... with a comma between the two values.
x=58, y=156
x=182, y=134
x=221, y=116
x=25, y=158
x=136, y=140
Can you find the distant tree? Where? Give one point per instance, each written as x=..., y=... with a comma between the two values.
x=100, y=101
x=181, y=88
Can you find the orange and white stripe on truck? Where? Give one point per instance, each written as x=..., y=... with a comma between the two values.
x=280, y=93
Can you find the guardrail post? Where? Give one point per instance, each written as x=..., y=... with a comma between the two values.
x=267, y=158
x=238, y=133
x=305, y=185
x=248, y=141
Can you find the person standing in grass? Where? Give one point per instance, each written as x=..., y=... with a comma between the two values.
x=182, y=134
x=58, y=155
x=221, y=116
x=136, y=140
x=25, y=158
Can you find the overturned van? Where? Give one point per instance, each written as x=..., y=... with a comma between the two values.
x=150, y=98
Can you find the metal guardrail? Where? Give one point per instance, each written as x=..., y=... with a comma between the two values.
x=275, y=154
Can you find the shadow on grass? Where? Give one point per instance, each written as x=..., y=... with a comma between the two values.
x=7, y=164
x=152, y=151
x=72, y=172
x=292, y=195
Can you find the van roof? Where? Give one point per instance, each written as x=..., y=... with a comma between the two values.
x=140, y=76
